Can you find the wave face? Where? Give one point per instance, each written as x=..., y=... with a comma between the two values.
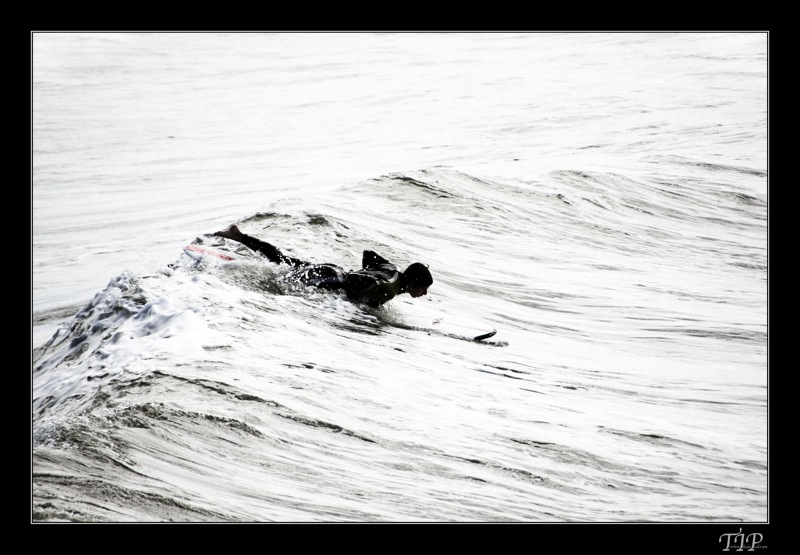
x=627, y=380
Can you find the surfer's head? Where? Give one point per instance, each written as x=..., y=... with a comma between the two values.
x=417, y=279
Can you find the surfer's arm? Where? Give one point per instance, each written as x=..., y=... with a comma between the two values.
x=372, y=259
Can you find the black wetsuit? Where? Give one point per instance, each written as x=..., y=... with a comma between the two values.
x=375, y=283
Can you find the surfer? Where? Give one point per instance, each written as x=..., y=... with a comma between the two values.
x=375, y=283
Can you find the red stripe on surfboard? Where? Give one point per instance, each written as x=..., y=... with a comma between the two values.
x=203, y=250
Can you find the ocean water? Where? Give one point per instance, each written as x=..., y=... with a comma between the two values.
x=600, y=199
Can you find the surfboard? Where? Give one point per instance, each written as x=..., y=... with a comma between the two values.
x=199, y=252
x=419, y=316
x=462, y=328
x=416, y=316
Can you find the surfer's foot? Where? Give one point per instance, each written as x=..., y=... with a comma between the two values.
x=230, y=232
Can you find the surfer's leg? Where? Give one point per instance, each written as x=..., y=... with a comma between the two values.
x=325, y=276
x=272, y=253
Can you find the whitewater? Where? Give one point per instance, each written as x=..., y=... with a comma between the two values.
x=600, y=199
